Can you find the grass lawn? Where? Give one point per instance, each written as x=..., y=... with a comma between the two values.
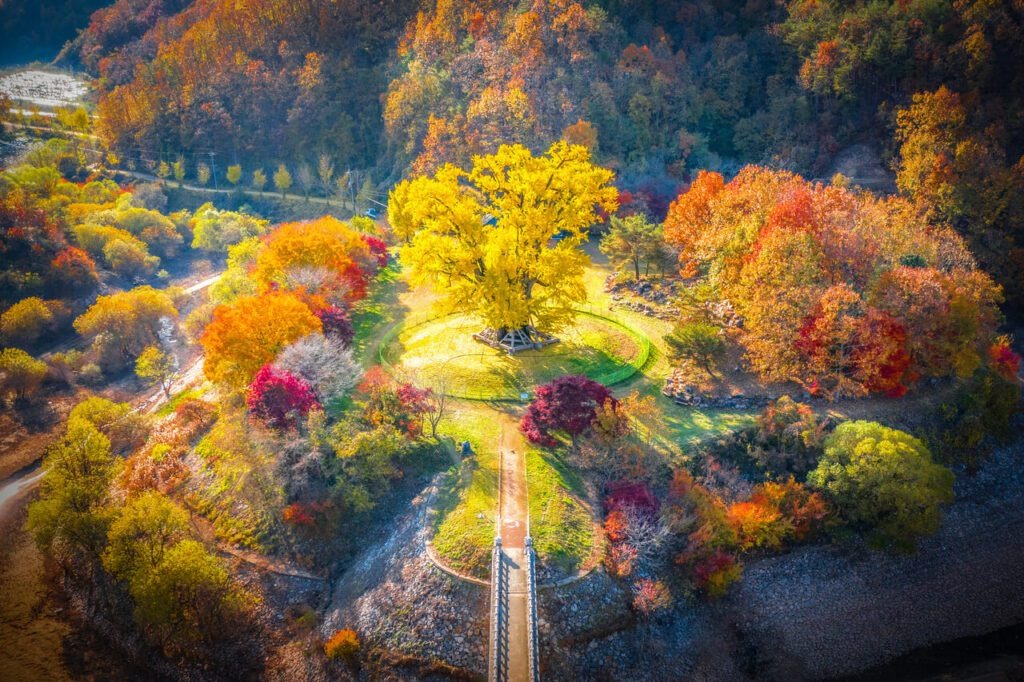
x=467, y=500
x=560, y=522
x=445, y=347
x=683, y=426
x=560, y=525
x=372, y=316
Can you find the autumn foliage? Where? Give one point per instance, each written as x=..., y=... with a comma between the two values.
x=567, y=404
x=279, y=398
x=1004, y=360
x=242, y=76
x=485, y=238
x=378, y=249
x=650, y=596
x=716, y=572
x=343, y=644
x=305, y=514
x=336, y=323
x=775, y=513
x=390, y=403
x=325, y=257
x=74, y=269
x=247, y=334
x=717, y=532
x=844, y=292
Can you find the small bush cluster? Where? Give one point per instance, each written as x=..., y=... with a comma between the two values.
x=160, y=465
x=344, y=645
x=650, y=596
x=980, y=415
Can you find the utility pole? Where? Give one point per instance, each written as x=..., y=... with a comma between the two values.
x=213, y=168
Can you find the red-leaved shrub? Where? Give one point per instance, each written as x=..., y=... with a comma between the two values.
x=650, y=596
x=336, y=323
x=279, y=398
x=1003, y=359
x=567, y=404
x=620, y=560
x=716, y=573
x=378, y=249
x=623, y=494
x=73, y=268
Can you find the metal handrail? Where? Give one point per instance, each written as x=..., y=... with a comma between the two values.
x=493, y=651
x=531, y=612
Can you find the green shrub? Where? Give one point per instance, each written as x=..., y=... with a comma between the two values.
x=980, y=414
x=884, y=479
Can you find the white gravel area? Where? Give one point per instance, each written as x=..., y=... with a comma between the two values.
x=44, y=88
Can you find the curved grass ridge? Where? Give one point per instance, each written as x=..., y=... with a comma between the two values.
x=610, y=378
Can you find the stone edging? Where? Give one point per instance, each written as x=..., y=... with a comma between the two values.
x=569, y=580
x=428, y=544
x=438, y=563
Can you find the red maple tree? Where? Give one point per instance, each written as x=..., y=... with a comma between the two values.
x=567, y=404
x=279, y=398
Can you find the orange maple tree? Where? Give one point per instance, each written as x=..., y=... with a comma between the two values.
x=250, y=332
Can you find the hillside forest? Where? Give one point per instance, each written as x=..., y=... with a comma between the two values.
x=322, y=324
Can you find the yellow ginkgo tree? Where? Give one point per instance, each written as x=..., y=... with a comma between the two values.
x=500, y=240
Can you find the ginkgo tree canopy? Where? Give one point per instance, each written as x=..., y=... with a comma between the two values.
x=509, y=270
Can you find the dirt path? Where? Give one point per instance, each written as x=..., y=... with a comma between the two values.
x=36, y=643
x=15, y=489
x=262, y=194
x=199, y=286
x=20, y=448
x=31, y=635
x=22, y=444
x=514, y=510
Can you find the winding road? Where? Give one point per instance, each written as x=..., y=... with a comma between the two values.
x=20, y=484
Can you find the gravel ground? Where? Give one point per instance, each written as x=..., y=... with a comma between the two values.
x=825, y=611
x=401, y=604
x=44, y=88
x=588, y=632
x=816, y=612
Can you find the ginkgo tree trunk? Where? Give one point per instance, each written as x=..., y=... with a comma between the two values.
x=485, y=239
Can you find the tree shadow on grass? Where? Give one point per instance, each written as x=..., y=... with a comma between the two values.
x=372, y=317
x=561, y=525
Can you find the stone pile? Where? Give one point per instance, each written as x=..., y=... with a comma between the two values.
x=687, y=394
x=647, y=297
